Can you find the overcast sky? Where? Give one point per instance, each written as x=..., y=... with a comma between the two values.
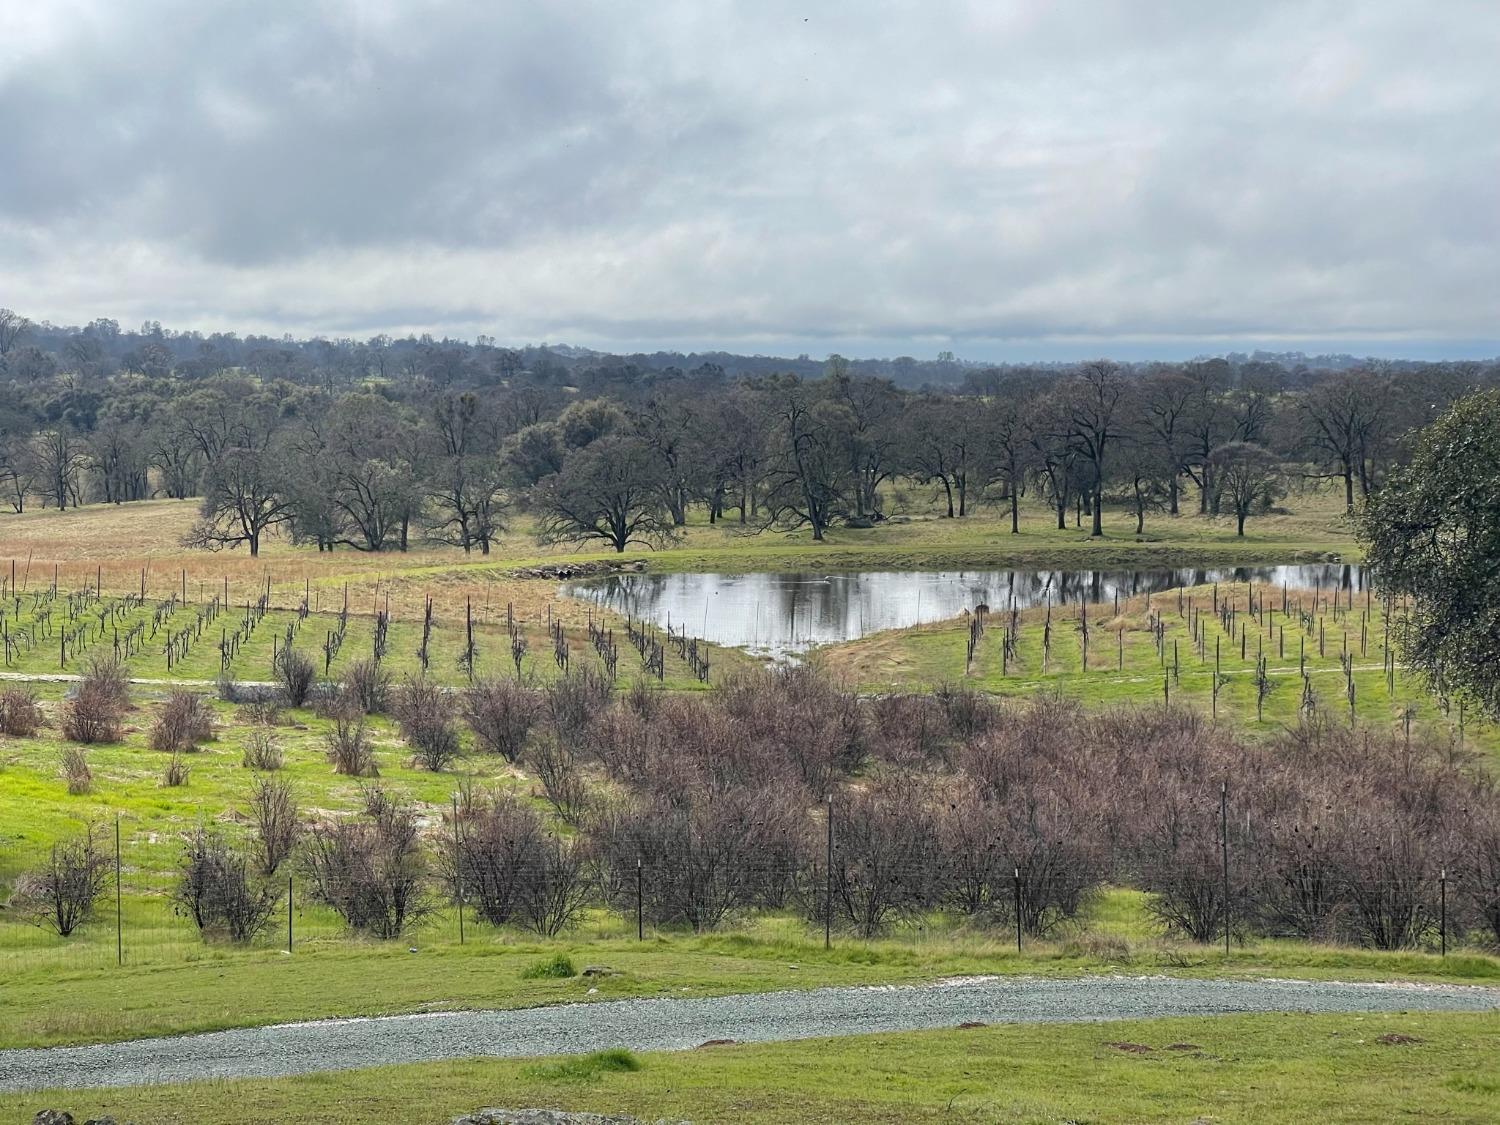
x=1003, y=179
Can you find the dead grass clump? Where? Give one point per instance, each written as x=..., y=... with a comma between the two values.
x=261, y=712
x=348, y=748
x=75, y=771
x=262, y=749
x=1098, y=947
x=176, y=772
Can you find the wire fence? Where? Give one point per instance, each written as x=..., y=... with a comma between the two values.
x=138, y=912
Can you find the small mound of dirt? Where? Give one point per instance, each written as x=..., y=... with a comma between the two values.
x=495, y=1116
x=1131, y=1048
x=717, y=1043
x=970, y=1024
x=1396, y=1039
x=1182, y=1047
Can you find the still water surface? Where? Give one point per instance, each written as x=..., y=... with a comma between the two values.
x=778, y=614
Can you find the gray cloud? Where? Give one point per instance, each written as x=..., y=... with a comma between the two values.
x=991, y=176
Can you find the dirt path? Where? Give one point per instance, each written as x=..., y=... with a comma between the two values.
x=670, y=1025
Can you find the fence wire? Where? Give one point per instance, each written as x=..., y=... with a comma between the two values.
x=143, y=913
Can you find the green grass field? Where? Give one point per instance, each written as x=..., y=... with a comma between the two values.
x=169, y=987
x=1228, y=1069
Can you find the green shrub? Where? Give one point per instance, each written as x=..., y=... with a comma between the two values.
x=557, y=967
x=585, y=1068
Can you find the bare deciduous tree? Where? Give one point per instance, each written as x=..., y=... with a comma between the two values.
x=60, y=896
x=885, y=857
x=423, y=710
x=13, y=326
x=274, y=811
x=243, y=497
x=182, y=723
x=94, y=711
x=608, y=490
x=563, y=783
x=501, y=714
x=218, y=892
x=1249, y=477
x=372, y=871
x=296, y=672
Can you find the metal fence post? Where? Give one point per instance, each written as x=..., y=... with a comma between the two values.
x=458, y=870
x=1443, y=908
x=119, y=928
x=1017, y=882
x=828, y=881
x=1224, y=843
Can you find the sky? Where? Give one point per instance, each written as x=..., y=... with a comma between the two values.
x=1005, y=179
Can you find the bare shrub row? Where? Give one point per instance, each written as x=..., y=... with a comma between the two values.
x=704, y=808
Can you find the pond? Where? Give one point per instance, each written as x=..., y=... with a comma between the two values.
x=780, y=614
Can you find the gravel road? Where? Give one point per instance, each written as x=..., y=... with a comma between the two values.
x=676, y=1024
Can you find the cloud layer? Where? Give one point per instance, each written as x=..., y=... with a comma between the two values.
x=995, y=176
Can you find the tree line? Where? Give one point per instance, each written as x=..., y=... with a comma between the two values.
x=377, y=446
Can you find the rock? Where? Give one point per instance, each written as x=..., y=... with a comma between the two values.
x=493, y=1116
x=52, y=1117
x=563, y=571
